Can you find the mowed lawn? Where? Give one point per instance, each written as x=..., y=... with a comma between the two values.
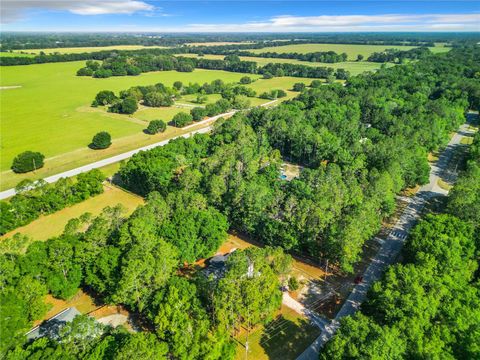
x=78, y=50
x=285, y=338
x=51, y=111
x=351, y=50
x=52, y=225
x=355, y=67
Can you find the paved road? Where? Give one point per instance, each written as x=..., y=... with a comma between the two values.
x=111, y=160
x=114, y=159
x=392, y=245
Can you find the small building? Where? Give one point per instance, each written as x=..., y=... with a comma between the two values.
x=217, y=266
x=52, y=326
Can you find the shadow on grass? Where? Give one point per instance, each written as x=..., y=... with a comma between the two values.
x=285, y=339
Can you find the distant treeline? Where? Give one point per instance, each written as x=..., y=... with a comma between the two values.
x=134, y=65
x=318, y=56
x=21, y=41
x=234, y=49
x=398, y=56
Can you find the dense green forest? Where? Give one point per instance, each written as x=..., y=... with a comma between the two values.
x=428, y=305
x=139, y=262
x=358, y=144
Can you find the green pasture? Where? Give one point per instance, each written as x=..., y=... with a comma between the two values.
x=14, y=54
x=284, y=82
x=351, y=50
x=50, y=110
x=355, y=67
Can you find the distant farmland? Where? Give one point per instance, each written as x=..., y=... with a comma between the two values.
x=355, y=67
x=47, y=109
x=77, y=50
x=351, y=50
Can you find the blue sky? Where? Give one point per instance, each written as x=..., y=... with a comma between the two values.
x=239, y=16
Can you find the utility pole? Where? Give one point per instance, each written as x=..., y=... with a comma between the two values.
x=326, y=269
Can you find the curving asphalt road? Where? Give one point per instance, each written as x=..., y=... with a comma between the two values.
x=392, y=245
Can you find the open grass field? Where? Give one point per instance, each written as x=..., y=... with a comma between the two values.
x=351, y=50
x=52, y=225
x=354, y=67
x=49, y=112
x=284, y=82
x=218, y=43
x=77, y=50
x=14, y=54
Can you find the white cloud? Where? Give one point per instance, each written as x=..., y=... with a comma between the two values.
x=384, y=22
x=12, y=10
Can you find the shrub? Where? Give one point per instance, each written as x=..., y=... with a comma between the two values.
x=246, y=80
x=101, y=140
x=198, y=113
x=316, y=84
x=241, y=102
x=201, y=99
x=27, y=161
x=223, y=105
x=105, y=97
x=102, y=73
x=156, y=126
x=133, y=70
x=212, y=109
x=281, y=93
x=157, y=99
x=298, y=87
x=267, y=75
x=293, y=283
x=128, y=106
x=94, y=65
x=182, y=119
x=85, y=71
x=178, y=85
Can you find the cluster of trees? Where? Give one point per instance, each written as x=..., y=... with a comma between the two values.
x=286, y=69
x=399, y=56
x=39, y=198
x=318, y=56
x=360, y=143
x=138, y=262
x=233, y=96
x=134, y=64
